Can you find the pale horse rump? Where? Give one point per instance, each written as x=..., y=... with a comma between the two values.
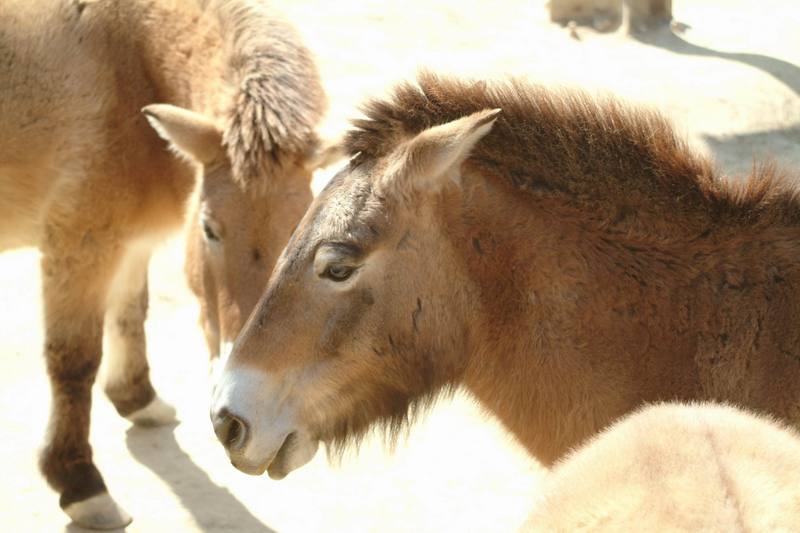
x=677, y=467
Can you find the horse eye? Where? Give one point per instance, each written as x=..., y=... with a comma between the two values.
x=208, y=232
x=338, y=272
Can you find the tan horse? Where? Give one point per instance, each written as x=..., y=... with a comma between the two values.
x=677, y=468
x=86, y=179
x=565, y=260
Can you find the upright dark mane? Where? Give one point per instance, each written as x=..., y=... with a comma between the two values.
x=279, y=97
x=577, y=148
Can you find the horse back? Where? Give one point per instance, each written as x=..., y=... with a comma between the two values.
x=70, y=109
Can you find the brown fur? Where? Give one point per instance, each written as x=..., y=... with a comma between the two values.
x=279, y=99
x=86, y=179
x=588, y=262
x=571, y=148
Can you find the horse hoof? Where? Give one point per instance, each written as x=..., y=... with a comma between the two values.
x=156, y=413
x=98, y=512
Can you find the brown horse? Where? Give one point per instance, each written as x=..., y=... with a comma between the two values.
x=566, y=260
x=84, y=178
x=674, y=467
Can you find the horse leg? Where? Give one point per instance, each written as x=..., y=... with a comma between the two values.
x=74, y=292
x=127, y=374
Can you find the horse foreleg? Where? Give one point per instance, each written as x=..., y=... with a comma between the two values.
x=73, y=294
x=127, y=375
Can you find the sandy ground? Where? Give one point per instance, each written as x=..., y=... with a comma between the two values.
x=729, y=78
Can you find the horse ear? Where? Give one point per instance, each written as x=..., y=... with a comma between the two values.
x=189, y=133
x=434, y=156
x=324, y=154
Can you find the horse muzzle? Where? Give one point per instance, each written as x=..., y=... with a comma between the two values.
x=257, y=430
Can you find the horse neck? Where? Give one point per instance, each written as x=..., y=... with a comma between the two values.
x=524, y=261
x=181, y=49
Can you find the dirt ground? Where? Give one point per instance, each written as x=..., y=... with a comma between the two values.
x=729, y=76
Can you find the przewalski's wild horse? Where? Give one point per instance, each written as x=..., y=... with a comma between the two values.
x=565, y=259
x=87, y=180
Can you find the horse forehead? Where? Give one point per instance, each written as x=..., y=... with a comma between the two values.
x=342, y=209
x=337, y=215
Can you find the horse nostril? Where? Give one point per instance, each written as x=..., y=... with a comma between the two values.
x=231, y=430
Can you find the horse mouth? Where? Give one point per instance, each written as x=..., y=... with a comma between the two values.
x=279, y=467
x=247, y=467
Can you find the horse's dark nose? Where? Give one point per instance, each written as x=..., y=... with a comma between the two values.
x=231, y=430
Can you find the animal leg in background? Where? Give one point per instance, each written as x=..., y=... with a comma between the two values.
x=74, y=281
x=127, y=374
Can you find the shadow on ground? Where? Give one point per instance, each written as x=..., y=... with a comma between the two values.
x=738, y=153
x=783, y=71
x=772, y=146
x=213, y=507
